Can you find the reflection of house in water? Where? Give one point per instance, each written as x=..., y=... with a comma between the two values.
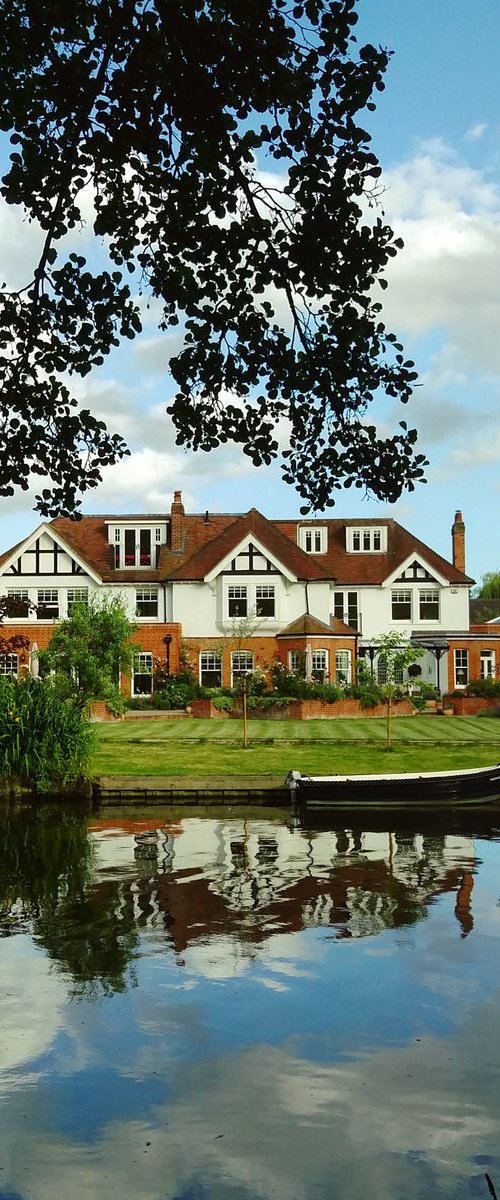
x=249, y=880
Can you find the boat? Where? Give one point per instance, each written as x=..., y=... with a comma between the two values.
x=422, y=790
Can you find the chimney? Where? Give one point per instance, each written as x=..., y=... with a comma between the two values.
x=458, y=542
x=176, y=522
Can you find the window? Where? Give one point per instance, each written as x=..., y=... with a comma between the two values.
x=313, y=539
x=264, y=600
x=343, y=666
x=145, y=548
x=241, y=663
x=428, y=600
x=296, y=662
x=401, y=605
x=487, y=664
x=48, y=604
x=382, y=673
x=136, y=547
x=142, y=681
x=77, y=596
x=8, y=664
x=345, y=607
x=210, y=669
x=129, y=545
x=18, y=603
x=320, y=663
x=237, y=601
x=146, y=602
x=461, y=668
x=366, y=540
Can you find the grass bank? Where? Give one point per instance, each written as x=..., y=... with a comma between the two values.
x=190, y=748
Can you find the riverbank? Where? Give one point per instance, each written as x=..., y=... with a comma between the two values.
x=189, y=750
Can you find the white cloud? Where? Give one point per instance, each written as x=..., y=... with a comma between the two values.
x=446, y=278
x=476, y=132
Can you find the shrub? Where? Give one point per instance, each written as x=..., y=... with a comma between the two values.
x=45, y=742
x=223, y=703
x=483, y=687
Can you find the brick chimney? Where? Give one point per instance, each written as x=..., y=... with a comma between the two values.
x=176, y=522
x=458, y=542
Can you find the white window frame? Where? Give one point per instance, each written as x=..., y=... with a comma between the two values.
x=39, y=603
x=155, y=542
x=398, y=675
x=343, y=666
x=212, y=665
x=265, y=592
x=146, y=594
x=293, y=661
x=461, y=667
x=140, y=658
x=242, y=663
x=428, y=592
x=320, y=662
x=9, y=664
x=76, y=596
x=487, y=659
x=400, y=592
x=237, y=594
x=313, y=539
x=366, y=539
x=22, y=596
x=345, y=593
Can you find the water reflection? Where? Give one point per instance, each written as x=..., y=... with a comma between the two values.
x=234, y=1008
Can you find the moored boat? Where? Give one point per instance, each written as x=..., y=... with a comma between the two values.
x=425, y=789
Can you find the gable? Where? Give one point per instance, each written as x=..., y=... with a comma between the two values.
x=44, y=555
x=415, y=572
x=250, y=557
x=415, y=569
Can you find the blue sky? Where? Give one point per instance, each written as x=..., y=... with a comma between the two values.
x=437, y=134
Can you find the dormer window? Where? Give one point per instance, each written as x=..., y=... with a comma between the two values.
x=137, y=547
x=366, y=540
x=313, y=538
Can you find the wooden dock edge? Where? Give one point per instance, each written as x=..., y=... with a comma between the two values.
x=113, y=790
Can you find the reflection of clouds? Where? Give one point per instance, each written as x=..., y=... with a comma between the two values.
x=239, y=1073
x=266, y=1122
x=31, y=1001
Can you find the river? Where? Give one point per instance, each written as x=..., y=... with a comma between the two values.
x=237, y=1009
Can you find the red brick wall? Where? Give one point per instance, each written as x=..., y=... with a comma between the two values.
x=264, y=650
x=469, y=706
x=308, y=710
x=149, y=637
x=489, y=642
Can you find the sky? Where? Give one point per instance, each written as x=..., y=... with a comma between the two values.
x=436, y=132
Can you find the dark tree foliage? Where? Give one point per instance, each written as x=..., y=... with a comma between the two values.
x=165, y=107
x=11, y=644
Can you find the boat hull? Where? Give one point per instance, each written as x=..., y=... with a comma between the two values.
x=426, y=791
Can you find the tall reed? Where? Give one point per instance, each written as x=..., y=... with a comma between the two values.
x=45, y=741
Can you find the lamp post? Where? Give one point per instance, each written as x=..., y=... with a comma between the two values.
x=168, y=642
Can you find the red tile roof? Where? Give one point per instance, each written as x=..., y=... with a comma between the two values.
x=308, y=626
x=209, y=538
x=357, y=569
x=279, y=546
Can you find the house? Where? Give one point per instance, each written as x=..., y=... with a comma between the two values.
x=234, y=591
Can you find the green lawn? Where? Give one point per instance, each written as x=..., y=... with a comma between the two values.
x=214, y=747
